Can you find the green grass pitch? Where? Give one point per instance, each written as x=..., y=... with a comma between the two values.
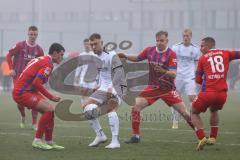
x=158, y=140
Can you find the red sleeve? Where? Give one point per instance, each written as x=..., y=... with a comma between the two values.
x=143, y=55
x=10, y=54
x=233, y=55
x=172, y=61
x=41, y=78
x=199, y=72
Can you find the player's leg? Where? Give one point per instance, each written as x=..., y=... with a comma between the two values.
x=113, y=123
x=180, y=84
x=199, y=105
x=140, y=104
x=34, y=119
x=175, y=118
x=199, y=130
x=45, y=126
x=23, y=115
x=181, y=109
x=214, y=120
x=190, y=89
x=172, y=98
x=95, y=125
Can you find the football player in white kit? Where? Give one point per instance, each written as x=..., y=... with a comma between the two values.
x=187, y=57
x=81, y=72
x=107, y=93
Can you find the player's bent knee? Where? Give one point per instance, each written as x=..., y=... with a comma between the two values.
x=44, y=106
x=112, y=104
x=91, y=111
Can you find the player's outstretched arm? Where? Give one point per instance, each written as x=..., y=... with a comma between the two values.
x=133, y=58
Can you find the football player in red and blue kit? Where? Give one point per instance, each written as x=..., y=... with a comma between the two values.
x=29, y=92
x=162, y=72
x=18, y=58
x=211, y=74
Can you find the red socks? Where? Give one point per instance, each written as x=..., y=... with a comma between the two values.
x=46, y=121
x=49, y=129
x=214, y=131
x=135, y=122
x=200, y=133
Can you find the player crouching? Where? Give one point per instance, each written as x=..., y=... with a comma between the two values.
x=29, y=90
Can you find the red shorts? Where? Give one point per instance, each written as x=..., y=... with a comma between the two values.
x=212, y=100
x=152, y=94
x=28, y=99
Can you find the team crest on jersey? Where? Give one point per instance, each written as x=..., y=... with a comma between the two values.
x=163, y=59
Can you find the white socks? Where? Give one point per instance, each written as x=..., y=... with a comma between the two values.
x=175, y=115
x=96, y=127
x=114, y=126
x=113, y=123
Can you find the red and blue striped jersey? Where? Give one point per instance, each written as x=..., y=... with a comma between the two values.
x=19, y=56
x=167, y=60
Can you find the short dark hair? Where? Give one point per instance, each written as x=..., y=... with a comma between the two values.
x=95, y=36
x=85, y=40
x=161, y=33
x=210, y=41
x=55, y=47
x=32, y=28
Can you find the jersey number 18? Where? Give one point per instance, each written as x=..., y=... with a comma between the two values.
x=216, y=64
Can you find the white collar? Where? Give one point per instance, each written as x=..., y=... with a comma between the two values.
x=30, y=44
x=162, y=51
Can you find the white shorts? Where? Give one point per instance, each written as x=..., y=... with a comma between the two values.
x=101, y=97
x=90, y=85
x=186, y=86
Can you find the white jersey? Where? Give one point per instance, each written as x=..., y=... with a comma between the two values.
x=187, y=56
x=105, y=72
x=81, y=72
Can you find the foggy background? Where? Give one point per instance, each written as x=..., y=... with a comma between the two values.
x=71, y=21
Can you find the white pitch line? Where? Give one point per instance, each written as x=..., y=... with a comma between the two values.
x=127, y=128
x=144, y=140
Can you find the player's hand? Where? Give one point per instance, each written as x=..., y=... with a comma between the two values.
x=12, y=73
x=160, y=69
x=56, y=99
x=122, y=55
